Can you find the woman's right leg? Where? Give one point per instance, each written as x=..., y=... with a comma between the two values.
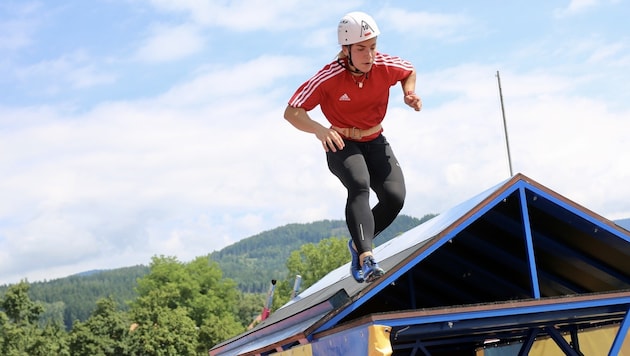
x=350, y=167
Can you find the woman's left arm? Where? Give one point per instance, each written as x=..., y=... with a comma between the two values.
x=409, y=89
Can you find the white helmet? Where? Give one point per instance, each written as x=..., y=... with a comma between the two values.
x=356, y=27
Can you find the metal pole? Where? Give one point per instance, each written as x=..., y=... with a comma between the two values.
x=269, y=303
x=507, y=142
x=296, y=285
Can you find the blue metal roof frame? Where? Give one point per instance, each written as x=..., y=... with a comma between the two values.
x=515, y=244
x=449, y=331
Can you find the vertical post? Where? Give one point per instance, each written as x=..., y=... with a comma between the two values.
x=507, y=142
x=269, y=302
x=296, y=285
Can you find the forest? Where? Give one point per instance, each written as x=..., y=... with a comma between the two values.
x=172, y=307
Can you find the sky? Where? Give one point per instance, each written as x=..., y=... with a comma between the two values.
x=139, y=128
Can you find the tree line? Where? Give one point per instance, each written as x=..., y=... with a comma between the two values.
x=180, y=309
x=251, y=263
x=74, y=297
x=170, y=307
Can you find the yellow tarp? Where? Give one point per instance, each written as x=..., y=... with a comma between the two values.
x=301, y=350
x=592, y=342
x=372, y=340
x=378, y=341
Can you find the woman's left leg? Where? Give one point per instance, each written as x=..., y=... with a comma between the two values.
x=387, y=181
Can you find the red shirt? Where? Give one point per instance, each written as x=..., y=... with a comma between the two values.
x=341, y=99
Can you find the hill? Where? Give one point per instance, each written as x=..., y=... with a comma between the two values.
x=254, y=261
x=74, y=297
x=251, y=263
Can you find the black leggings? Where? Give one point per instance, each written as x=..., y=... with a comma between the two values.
x=361, y=166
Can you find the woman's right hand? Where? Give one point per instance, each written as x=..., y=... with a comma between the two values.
x=330, y=139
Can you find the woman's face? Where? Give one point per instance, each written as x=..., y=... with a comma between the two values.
x=363, y=53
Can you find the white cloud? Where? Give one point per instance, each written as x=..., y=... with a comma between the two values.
x=254, y=15
x=590, y=65
x=209, y=159
x=581, y=6
x=443, y=26
x=76, y=70
x=151, y=174
x=17, y=25
x=240, y=82
x=168, y=43
x=610, y=52
x=457, y=145
x=14, y=35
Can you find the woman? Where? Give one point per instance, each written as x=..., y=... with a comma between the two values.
x=353, y=93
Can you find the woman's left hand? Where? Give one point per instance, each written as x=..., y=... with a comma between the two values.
x=413, y=100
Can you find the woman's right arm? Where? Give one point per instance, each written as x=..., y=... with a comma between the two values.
x=299, y=118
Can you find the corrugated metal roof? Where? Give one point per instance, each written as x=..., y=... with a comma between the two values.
x=514, y=243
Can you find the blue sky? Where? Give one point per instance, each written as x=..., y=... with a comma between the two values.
x=136, y=128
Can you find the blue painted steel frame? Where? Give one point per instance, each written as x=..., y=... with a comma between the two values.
x=478, y=208
x=575, y=211
x=519, y=310
x=394, y=276
x=533, y=271
x=621, y=335
x=521, y=187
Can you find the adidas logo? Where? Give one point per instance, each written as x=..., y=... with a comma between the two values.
x=344, y=97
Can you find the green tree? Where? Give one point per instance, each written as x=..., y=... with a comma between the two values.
x=250, y=306
x=53, y=314
x=105, y=333
x=21, y=334
x=215, y=329
x=174, y=297
x=162, y=331
x=19, y=307
x=3, y=322
x=52, y=341
x=312, y=262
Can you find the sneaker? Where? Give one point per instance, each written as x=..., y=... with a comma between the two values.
x=371, y=270
x=355, y=266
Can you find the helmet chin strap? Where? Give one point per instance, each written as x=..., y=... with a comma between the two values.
x=352, y=68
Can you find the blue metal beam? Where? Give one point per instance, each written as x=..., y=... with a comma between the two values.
x=393, y=277
x=575, y=339
x=579, y=212
x=506, y=310
x=621, y=335
x=529, y=342
x=530, y=245
x=561, y=342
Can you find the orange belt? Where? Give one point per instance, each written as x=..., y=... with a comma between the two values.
x=355, y=133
